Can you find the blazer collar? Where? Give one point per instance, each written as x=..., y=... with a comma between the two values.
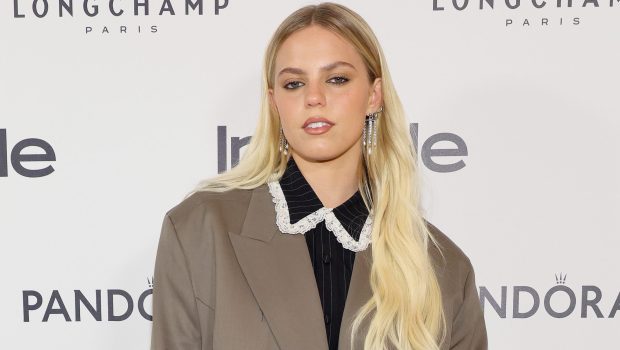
x=278, y=269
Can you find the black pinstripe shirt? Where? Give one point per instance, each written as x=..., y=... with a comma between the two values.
x=331, y=262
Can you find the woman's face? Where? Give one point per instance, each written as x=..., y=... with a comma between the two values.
x=320, y=76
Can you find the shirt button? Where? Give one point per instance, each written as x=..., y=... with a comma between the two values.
x=326, y=259
x=326, y=319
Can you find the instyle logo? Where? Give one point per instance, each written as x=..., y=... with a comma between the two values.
x=429, y=153
x=79, y=305
x=548, y=15
x=558, y=301
x=26, y=151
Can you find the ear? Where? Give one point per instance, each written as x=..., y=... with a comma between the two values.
x=375, y=100
x=272, y=103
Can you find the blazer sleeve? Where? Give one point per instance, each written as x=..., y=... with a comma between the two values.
x=176, y=320
x=468, y=327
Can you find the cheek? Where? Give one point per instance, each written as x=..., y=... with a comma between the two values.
x=289, y=105
x=351, y=107
x=284, y=111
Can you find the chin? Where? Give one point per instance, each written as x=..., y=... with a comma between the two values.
x=319, y=154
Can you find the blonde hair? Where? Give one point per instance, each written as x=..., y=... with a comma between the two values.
x=405, y=310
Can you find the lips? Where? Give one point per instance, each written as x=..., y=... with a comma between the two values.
x=317, y=125
x=317, y=120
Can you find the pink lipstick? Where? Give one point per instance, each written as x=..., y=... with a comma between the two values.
x=317, y=125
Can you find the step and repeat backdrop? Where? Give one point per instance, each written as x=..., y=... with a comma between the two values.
x=112, y=111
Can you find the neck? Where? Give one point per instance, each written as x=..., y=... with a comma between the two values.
x=334, y=181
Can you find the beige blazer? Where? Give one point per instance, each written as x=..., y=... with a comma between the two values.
x=227, y=279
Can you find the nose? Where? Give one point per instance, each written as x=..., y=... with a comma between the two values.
x=315, y=96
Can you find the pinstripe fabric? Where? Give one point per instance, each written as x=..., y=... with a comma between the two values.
x=332, y=263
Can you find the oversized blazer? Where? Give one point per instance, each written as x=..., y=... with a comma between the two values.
x=227, y=279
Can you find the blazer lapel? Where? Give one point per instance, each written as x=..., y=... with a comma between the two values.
x=359, y=293
x=279, y=271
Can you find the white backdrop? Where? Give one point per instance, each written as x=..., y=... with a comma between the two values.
x=129, y=124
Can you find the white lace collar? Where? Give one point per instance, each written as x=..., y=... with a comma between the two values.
x=311, y=220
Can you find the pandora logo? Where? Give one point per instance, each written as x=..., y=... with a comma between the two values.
x=79, y=305
x=558, y=301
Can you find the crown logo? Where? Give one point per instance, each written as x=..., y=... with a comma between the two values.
x=150, y=281
x=560, y=279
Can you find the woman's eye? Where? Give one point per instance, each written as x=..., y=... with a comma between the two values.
x=339, y=80
x=292, y=85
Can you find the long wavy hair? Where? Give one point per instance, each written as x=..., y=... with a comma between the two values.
x=405, y=311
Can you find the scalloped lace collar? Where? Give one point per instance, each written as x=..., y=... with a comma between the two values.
x=310, y=221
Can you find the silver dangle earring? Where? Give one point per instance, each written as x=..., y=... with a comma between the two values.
x=283, y=143
x=369, y=133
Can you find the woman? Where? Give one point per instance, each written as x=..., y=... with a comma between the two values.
x=316, y=239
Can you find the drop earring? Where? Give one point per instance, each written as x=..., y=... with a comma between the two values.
x=369, y=133
x=283, y=144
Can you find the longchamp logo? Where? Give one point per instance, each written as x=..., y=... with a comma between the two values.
x=120, y=305
x=559, y=301
x=37, y=9
x=430, y=151
x=548, y=18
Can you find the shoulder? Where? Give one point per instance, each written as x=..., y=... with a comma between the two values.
x=446, y=252
x=205, y=211
x=452, y=266
x=203, y=200
x=465, y=322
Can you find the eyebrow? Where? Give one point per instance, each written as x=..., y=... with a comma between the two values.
x=328, y=67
